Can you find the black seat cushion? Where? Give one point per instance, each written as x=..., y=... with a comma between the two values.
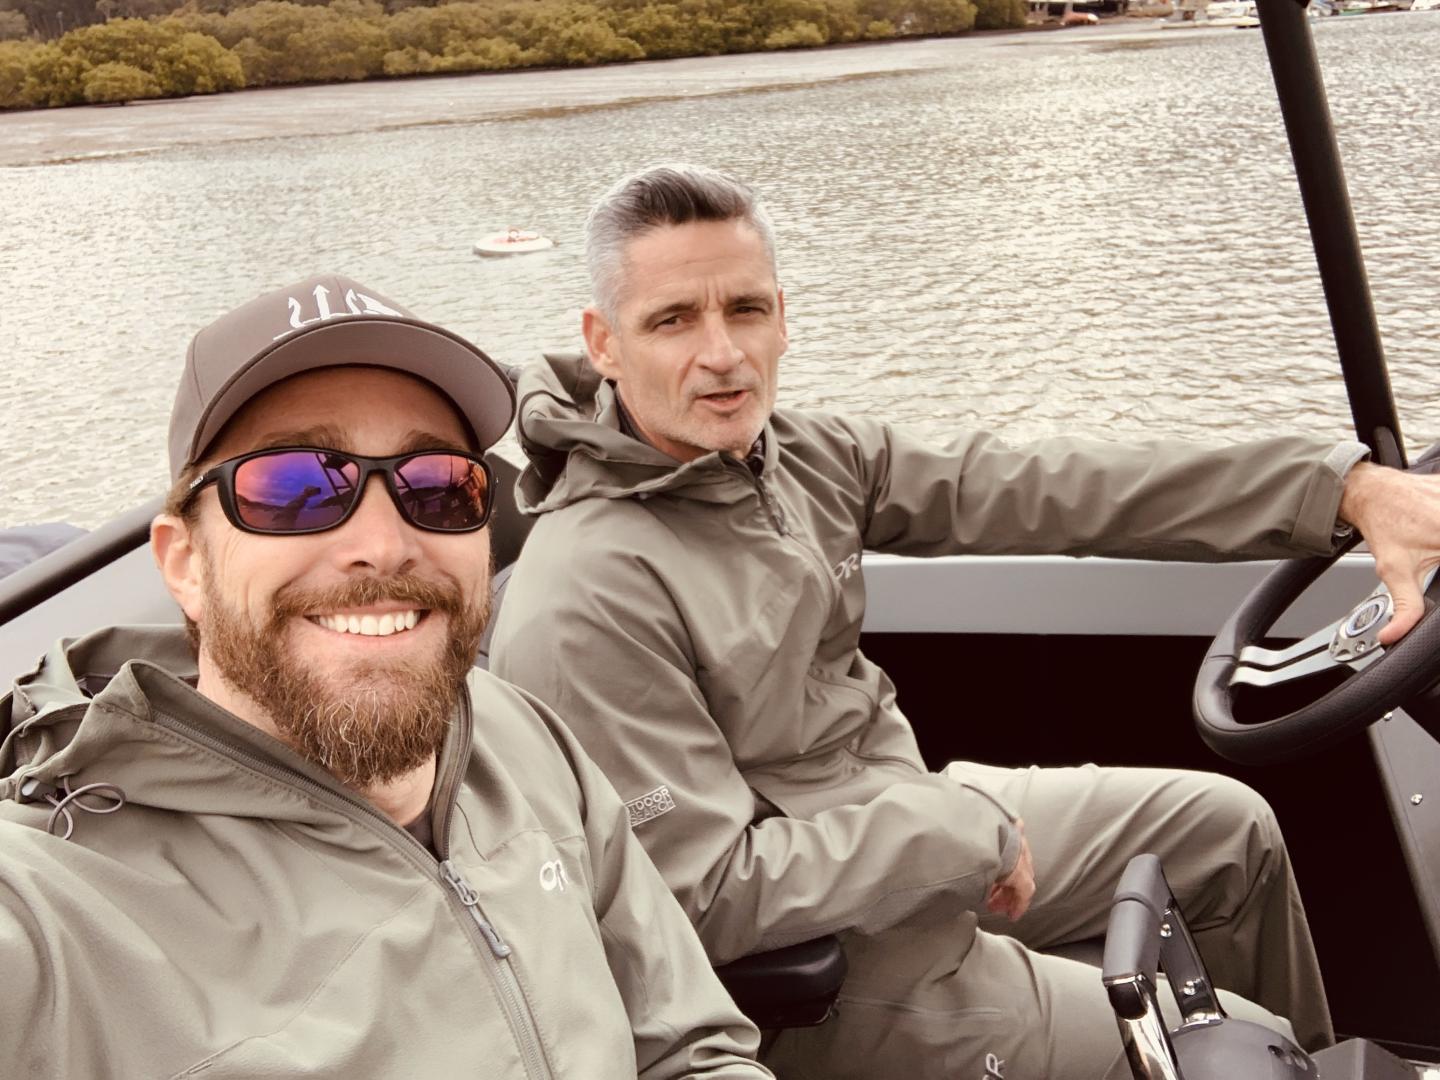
x=790, y=987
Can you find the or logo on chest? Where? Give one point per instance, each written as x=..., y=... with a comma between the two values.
x=994, y=1068
x=553, y=877
x=846, y=567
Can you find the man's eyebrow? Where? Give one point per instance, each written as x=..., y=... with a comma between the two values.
x=330, y=437
x=325, y=436
x=677, y=307
x=428, y=440
x=758, y=299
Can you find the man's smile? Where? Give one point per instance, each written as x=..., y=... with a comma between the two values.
x=370, y=624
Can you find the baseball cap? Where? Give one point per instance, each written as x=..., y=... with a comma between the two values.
x=326, y=321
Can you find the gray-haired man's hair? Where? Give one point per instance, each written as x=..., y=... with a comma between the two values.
x=657, y=196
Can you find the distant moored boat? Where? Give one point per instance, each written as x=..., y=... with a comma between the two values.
x=513, y=242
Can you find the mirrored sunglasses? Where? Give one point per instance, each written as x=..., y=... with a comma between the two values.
x=306, y=489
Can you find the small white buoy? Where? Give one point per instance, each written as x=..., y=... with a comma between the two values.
x=513, y=241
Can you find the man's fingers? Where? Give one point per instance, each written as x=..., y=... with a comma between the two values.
x=1409, y=606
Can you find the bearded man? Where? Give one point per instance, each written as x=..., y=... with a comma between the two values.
x=711, y=662
x=313, y=839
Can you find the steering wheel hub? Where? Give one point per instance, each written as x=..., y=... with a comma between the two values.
x=1358, y=635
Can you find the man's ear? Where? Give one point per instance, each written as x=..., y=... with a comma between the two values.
x=599, y=342
x=173, y=543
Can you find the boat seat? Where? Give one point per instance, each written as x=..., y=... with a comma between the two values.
x=791, y=987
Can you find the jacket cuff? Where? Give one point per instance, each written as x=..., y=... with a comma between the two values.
x=1010, y=849
x=1318, y=527
x=1010, y=853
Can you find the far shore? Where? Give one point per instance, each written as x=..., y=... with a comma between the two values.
x=81, y=133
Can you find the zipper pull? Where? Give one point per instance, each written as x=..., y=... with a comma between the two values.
x=471, y=899
x=777, y=516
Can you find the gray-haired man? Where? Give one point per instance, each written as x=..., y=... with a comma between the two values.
x=683, y=601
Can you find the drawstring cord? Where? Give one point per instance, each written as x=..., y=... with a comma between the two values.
x=63, y=798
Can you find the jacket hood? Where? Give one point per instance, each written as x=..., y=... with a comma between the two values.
x=91, y=713
x=569, y=428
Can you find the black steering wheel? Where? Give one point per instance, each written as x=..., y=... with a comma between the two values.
x=1380, y=679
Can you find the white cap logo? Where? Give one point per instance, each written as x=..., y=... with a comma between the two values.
x=355, y=304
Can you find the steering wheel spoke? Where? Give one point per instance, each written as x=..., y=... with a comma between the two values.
x=1256, y=656
x=1300, y=668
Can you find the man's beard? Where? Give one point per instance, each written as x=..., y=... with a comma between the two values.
x=367, y=724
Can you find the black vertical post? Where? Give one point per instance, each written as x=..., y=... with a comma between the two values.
x=1332, y=225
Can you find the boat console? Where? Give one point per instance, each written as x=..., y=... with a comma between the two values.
x=1148, y=934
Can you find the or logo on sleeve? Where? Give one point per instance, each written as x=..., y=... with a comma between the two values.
x=994, y=1068
x=650, y=805
x=846, y=567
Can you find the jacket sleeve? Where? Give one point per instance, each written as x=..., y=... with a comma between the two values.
x=621, y=674
x=1275, y=498
x=31, y=1038
x=683, y=1021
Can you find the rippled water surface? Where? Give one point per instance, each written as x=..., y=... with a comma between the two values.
x=1034, y=233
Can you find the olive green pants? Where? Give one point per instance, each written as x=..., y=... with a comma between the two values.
x=967, y=998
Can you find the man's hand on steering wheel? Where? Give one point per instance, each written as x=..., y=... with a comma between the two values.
x=1384, y=663
x=1398, y=514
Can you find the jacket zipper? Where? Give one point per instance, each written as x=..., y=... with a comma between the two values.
x=510, y=991
x=522, y=1023
x=767, y=501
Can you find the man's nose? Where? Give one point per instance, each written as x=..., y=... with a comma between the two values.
x=376, y=537
x=718, y=349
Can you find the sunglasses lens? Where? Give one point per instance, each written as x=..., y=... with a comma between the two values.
x=443, y=491
x=294, y=490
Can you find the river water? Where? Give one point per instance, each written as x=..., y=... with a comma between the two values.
x=1092, y=231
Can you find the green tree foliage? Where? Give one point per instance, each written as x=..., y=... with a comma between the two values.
x=105, y=62
x=116, y=82
x=579, y=34
x=802, y=34
x=53, y=76
x=280, y=42
x=149, y=48
x=197, y=64
x=14, y=61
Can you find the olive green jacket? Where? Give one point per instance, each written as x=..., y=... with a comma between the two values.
x=698, y=626
x=243, y=915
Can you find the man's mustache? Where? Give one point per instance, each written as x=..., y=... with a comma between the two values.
x=408, y=589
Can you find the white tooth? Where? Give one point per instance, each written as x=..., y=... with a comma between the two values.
x=353, y=624
x=411, y=618
x=369, y=626
x=387, y=625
